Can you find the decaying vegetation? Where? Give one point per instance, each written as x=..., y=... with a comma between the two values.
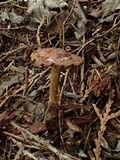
x=88, y=120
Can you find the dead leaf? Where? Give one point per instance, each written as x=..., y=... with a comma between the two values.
x=104, y=143
x=37, y=127
x=56, y=26
x=13, y=80
x=80, y=28
x=47, y=8
x=118, y=146
x=4, y=16
x=55, y=4
x=104, y=83
x=118, y=7
x=81, y=153
x=73, y=126
x=108, y=18
x=109, y=6
x=35, y=111
x=71, y=132
x=13, y=17
x=95, y=13
x=96, y=91
x=4, y=116
x=81, y=120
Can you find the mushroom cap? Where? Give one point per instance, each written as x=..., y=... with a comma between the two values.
x=55, y=56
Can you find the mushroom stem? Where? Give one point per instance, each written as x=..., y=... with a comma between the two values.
x=53, y=106
x=54, y=83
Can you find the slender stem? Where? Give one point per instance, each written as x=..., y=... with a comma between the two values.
x=54, y=95
x=53, y=106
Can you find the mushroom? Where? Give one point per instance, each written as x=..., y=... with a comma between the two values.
x=57, y=58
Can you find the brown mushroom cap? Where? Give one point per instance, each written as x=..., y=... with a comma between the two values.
x=55, y=56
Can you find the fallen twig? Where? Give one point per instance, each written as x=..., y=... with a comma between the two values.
x=2, y=58
x=60, y=154
x=97, y=37
x=104, y=118
x=2, y=3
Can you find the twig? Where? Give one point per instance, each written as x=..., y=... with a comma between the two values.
x=82, y=71
x=104, y=118
x=60, y=154
x=14, y=28
x=21, y=148
x=3, y=102
x=27, y=143
x=2, y=3
x=31, y=80
x=71, y=85
x=30, y=155
x=38, y=31
x=61, y=111
x=63, y=27
x=45, y=42
x=34, y=79
x=26, y=80
x=21, y=7
x=63, y=86
x=2, y=58
x=97, y=37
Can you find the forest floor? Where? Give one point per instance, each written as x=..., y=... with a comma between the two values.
x=88, y=123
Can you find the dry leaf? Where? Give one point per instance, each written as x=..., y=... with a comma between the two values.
x=104, y=143
x=109, y=6
x=95, y=13
x=81, y=153
x=73, y=126
x=37, y=127
x=56, y=26
x=118, y=7
x=4, y=116
x=38, y=9
x=13, y=17
x=13, y=80
x=104, y=83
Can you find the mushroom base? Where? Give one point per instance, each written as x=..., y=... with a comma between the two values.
x=50, y=114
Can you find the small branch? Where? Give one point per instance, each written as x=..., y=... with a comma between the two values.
x=2, y=3
x=38, y=31
x=2, y=58
x=60, y=154
x=104, y=118
x=97, y=37
x=63, y=86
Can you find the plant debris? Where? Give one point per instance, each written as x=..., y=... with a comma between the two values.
x=87, y=126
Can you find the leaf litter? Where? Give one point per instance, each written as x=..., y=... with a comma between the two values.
x=88, y=121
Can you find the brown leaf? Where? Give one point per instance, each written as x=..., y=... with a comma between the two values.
x=37, y=127
x=56, y=25
x=73, y=106
x=81, y=120
x=104, y=82
x=4, y=116
x=96, y=91
x=73, y=126
x=95, y=13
